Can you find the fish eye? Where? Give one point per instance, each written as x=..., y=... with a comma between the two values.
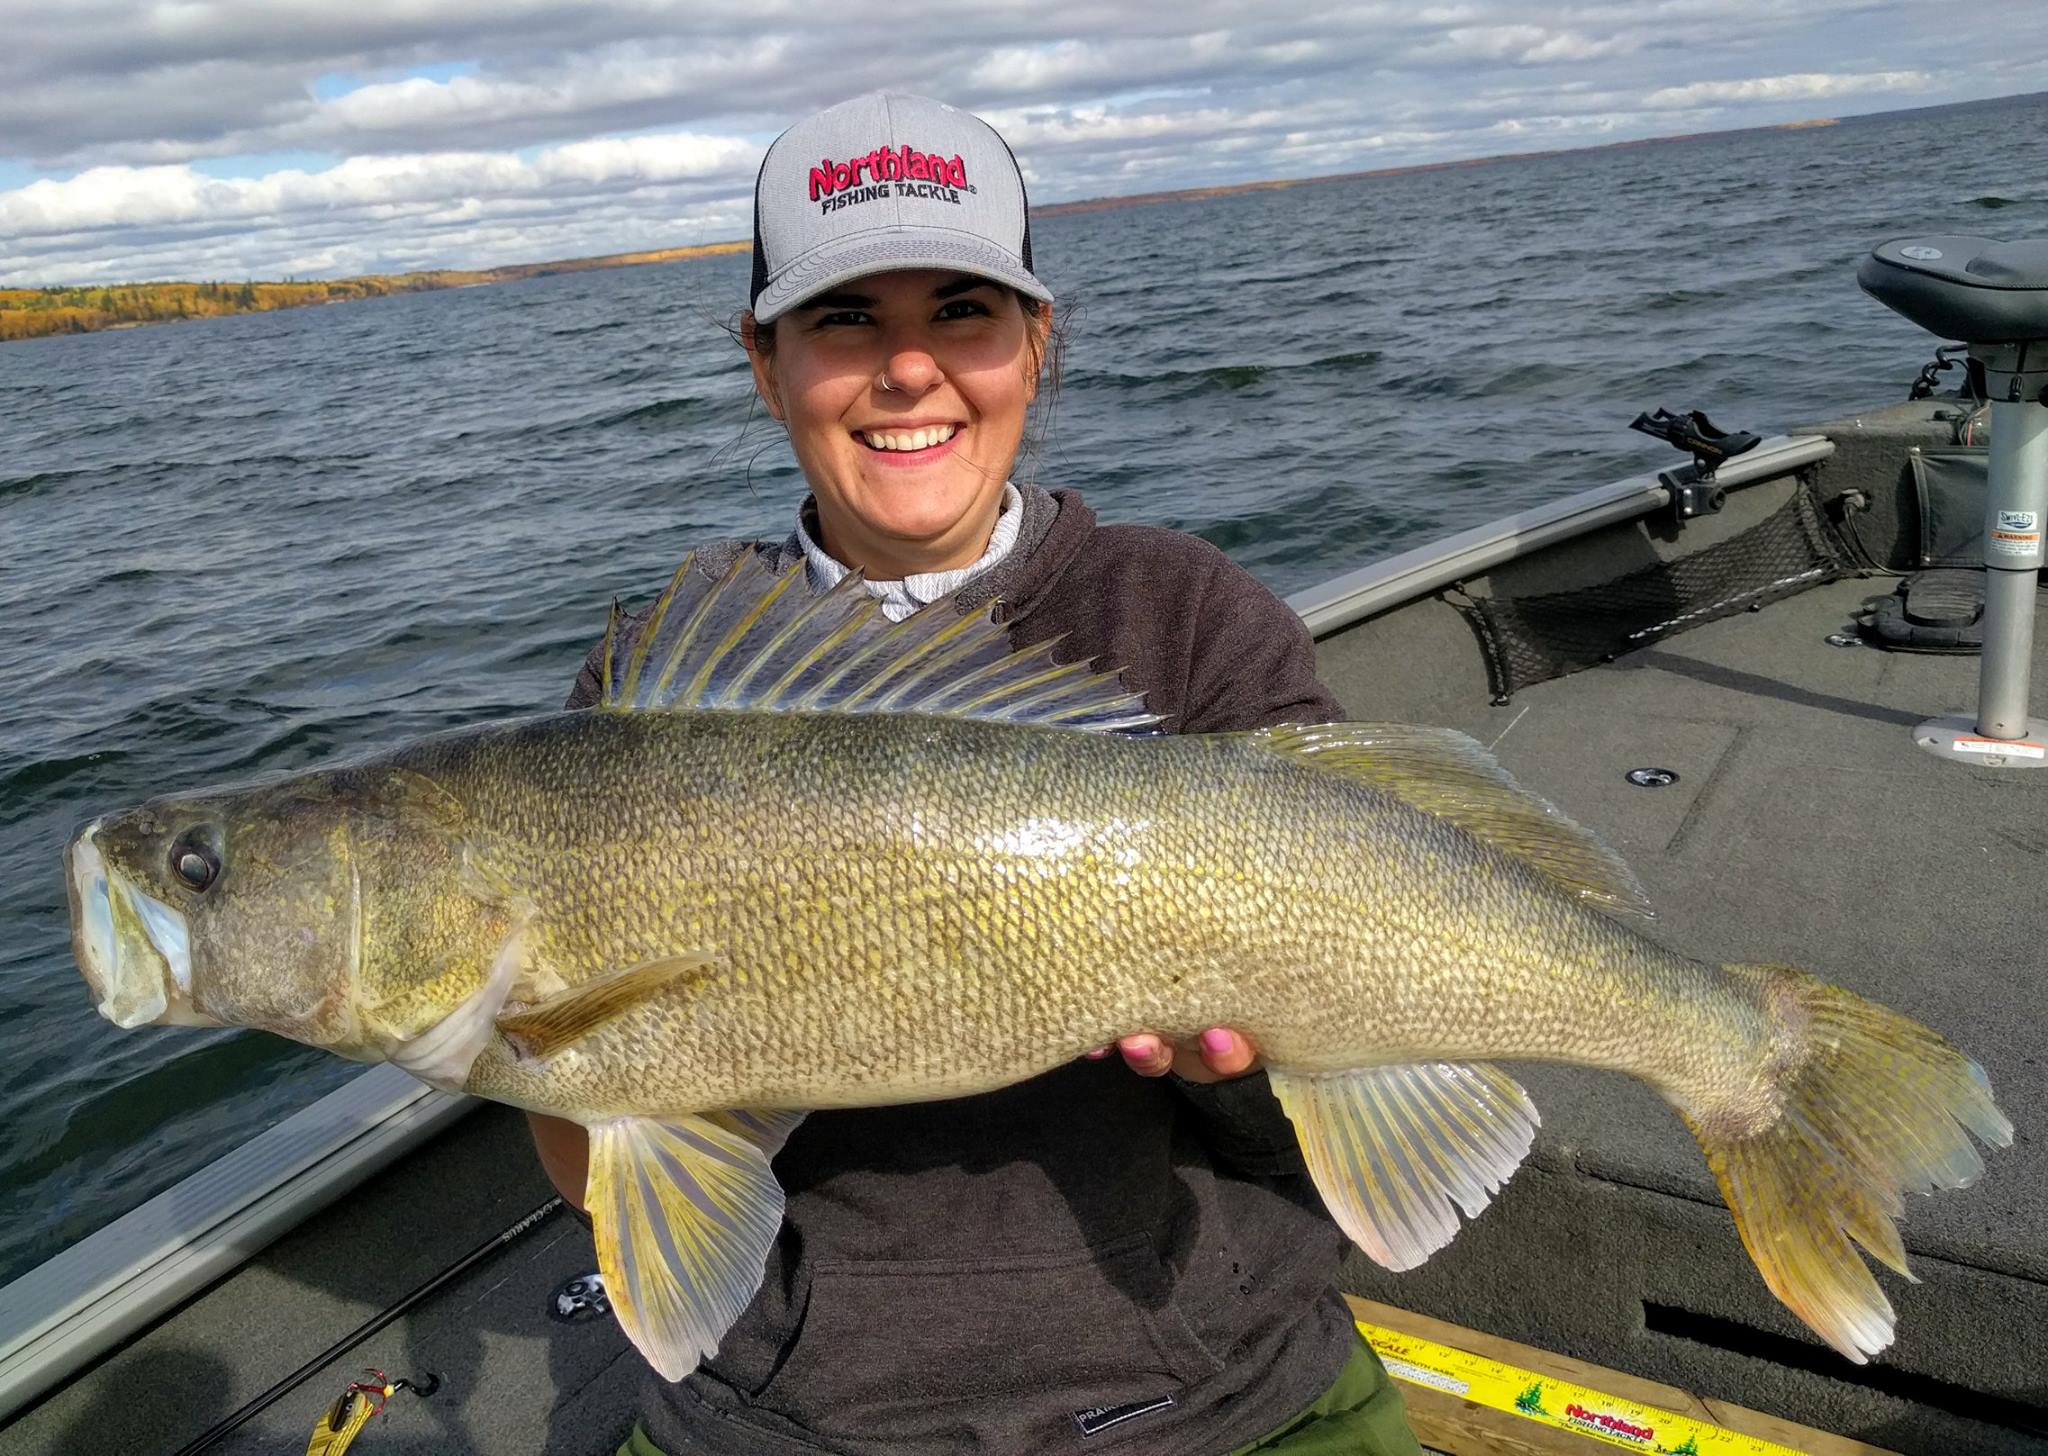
x=194, y=860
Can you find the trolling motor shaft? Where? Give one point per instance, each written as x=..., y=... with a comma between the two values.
x=1993, y=295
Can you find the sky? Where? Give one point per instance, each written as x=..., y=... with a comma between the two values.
x=232, y=139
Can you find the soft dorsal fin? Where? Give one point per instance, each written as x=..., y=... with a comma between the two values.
x=755, y=638
x=1443, y=772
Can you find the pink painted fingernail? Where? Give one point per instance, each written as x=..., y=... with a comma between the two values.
x=1216, y=1041
x=1097, y=1055
x=1141, y=1048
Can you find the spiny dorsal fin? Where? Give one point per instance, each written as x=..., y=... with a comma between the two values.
x=1443, y=772
x=758, y=639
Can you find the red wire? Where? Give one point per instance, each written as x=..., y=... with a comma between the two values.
x=379, y=1393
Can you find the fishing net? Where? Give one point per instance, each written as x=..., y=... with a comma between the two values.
x=1531, y=639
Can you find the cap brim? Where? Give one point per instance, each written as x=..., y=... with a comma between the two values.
x=889, y=251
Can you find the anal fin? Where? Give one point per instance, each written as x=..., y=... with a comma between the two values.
x=542, y=1030
x=1391, y=1149
x=685, y=1211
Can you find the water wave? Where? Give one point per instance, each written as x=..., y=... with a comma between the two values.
x=667, y=413
x=123, y=1114
x=25, y=788
x=584, y=331
x=25, y=486
x=1222, y=376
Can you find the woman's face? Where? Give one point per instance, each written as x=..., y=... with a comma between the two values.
x=904, y=395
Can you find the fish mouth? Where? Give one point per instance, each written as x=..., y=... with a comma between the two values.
x=134, y=950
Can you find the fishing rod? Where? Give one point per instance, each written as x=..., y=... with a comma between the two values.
x=370, y=1327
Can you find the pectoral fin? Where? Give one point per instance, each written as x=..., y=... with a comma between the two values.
x=685, y=1213
x=542, y=1030
x=441, y=1055
x=1392, y=1148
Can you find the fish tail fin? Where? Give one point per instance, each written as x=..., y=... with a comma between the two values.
x=1856, y=1106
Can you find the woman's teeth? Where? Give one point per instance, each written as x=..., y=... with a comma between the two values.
x=908, y=439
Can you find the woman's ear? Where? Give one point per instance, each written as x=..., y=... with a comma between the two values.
x=762, y=362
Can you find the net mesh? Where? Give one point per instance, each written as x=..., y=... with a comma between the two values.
x=1531, y=639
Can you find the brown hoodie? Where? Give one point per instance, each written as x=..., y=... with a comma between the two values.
x=1088, y=1261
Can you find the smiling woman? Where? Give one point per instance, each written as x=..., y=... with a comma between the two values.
x=1090, y=1249
x=904, y=399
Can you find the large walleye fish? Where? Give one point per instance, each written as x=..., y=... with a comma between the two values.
x=802, y=857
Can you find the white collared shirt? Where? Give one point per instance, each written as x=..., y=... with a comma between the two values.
x=900, y=598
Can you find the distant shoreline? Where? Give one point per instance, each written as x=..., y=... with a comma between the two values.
x=27, y=313
x=33, y=313
x=1200, y=194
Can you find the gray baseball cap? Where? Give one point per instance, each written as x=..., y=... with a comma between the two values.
x=883, y=182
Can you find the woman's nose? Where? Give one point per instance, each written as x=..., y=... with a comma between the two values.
x=908, y=367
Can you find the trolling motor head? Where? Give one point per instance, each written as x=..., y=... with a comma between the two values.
x=1972, y=288
x=1994, y=296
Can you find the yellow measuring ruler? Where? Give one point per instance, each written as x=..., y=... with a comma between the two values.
x=1557, y=1403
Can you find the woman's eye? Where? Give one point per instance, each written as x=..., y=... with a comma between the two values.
x=963, y=308
x=844, y=316
x=195, y=861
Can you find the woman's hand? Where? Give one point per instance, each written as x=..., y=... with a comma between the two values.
x=564, y=1149
x=1217, y=1055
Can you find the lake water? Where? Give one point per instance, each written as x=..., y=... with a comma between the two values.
x=256, y=543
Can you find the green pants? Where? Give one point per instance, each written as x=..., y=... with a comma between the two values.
x=1358, y=1416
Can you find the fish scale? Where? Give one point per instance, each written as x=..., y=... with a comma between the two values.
x=1005, y=926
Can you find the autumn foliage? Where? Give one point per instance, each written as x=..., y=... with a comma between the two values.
x=28, y=313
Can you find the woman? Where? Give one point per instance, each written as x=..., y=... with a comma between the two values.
x=1089, y=1260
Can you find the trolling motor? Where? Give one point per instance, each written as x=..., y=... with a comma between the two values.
x=1993, y=295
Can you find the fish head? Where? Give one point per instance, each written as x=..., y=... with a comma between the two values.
x=133, y=946
x=235, y=908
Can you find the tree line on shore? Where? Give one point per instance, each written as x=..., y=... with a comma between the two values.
x=28, y=313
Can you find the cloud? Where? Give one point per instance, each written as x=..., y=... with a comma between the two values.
x=1526, y=45
x=374, y=213
x=109, y=197
x=1805, y=86
x=98, y=81
x=438, y=132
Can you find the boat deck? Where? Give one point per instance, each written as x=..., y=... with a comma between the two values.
x=514, y=1380
x=1805, y=827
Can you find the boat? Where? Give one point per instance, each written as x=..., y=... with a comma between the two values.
x=1726, y=669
